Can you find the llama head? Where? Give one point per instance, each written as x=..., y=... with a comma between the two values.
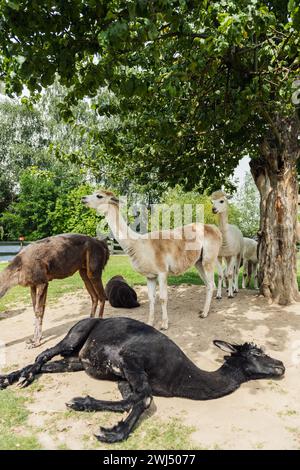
x=100, y=200
x=251, y=360
x=219, y=201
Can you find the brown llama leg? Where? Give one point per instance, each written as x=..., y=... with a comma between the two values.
x=91, y=291
x=39, y=309
x=94, y=266
x=98, y=287
x=33, y=296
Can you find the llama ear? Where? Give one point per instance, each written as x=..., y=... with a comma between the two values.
x=227, y=347
x=114, y=199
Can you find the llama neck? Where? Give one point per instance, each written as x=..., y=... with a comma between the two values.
x=198, y=384
x=8, y=279
x=223, y=222
x=224, y=227
x=122, y=232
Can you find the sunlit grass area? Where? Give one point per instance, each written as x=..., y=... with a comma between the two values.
x=117, y=264
x=17, y=434
x=13, y=417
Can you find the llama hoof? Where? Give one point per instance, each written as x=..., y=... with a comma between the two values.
x=30, y=344
x=164, y=326
x=25, y=380
x=218, y=297
x=4, y=382
x=80, y=404
x=202, y=314
x=230, y=296
x=115, y=434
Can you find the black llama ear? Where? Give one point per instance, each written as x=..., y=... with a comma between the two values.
x=227, y=347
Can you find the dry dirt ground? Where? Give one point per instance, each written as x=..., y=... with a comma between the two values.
x=262, y=414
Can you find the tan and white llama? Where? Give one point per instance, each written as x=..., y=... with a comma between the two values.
x=232, y=245
x=157, y=254
x=250, y=262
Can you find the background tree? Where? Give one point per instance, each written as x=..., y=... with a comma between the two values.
x=246, y=202
x=70, y=215
x=197, y=85
x=32, y=214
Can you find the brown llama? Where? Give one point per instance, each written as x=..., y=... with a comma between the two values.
x=57, y=257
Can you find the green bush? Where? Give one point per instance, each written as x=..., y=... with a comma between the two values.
x=70, y=215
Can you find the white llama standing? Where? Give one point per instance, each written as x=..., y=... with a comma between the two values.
x=232, y=245
x=156, y=254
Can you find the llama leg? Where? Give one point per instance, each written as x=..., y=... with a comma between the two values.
x=237, y=265
x=142, y=398
x=124, y=389
x=245, y=274
x=99, y=289
x=33, y=296
x=208, y=277
x=151, y=285
x=40, y=304
x=202, y=274
x=121, y=431
x=91, y=291
x=225, y=280
x=220, y=278
x=163, y=295
x=94, y=266
x=137, y=403
x=137, y=388
x=69, y=346
x=68, y=364
x=230, y=271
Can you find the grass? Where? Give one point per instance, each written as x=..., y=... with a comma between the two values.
x=152, y=433
x=13, y=417
x=117, y=264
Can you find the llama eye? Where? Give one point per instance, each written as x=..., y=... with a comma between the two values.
x=99, y=197
x=256, y=353
x=221, y=202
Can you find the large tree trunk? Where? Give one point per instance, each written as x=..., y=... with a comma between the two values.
x=275, y=175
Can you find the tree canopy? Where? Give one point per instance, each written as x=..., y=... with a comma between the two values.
x=187, y=87
x=194, y=84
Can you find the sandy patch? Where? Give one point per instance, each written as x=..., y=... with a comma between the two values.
x=260, y=415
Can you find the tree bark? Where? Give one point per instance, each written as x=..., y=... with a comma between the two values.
x=275, y=175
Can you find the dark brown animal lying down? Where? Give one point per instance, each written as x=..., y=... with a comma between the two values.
x=120, y=294
x=57, y=257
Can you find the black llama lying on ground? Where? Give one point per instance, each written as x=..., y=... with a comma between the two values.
x=145, y=362
x=120, y=294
